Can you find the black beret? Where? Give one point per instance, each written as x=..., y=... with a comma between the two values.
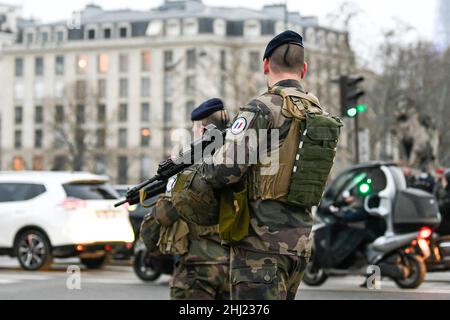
x=288, y=36
x=206, y=109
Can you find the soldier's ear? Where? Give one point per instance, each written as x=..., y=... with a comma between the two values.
x=266, y=66
x=304, y=70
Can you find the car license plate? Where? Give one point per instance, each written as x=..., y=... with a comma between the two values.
x=107, y=214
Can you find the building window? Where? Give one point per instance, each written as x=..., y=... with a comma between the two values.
x=80, y=89
x=39, y=115
x=223, y=60
x=59, y=65
x=80, y=114
x=190, y=105
x=101, y=138
x=145, y=112
x=122, y=170
x=223, y=86
x=123, y=32
x=123, y=63
x=44, y=36
x=167, y=139
x=102, y=88
x=123, y=88
x=19, y=90
x=82, y=64
x=190, y=85
x=38, y=163
x=59, y=88
x=123, y=112
x=145, y=167
x=19, y=67
x=59, y=36
x=59, y=163
x=191, y=59
x=18, y=139
x=30, y=38
x=58, y=141
x=18, y=115
x=101, y=113
x=18, y=164
x=59, y=114
x=101, y=164
x=168, y=59
x=107, y=33
x=145, y=61
x=254, y=61
x=145, y=87
x=168, y=85
x=38, y=137
x=103, y=63
x=123, y=138
x=39, y=66
x=145, y=137
x=39, y=89
x=91, y=34
x=167, y=112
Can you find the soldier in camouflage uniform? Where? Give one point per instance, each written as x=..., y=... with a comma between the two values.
x=202, y=273
x=270, y=262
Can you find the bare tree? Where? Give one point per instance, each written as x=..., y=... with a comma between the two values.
x=410, y=99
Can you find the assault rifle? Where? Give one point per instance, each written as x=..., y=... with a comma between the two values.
x=169, y=168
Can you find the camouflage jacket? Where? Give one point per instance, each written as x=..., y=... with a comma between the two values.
x=275, y=227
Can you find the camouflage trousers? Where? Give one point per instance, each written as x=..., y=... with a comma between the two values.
x=200, y=282
x=261, y=276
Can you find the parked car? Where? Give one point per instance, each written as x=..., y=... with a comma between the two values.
x=54, y=214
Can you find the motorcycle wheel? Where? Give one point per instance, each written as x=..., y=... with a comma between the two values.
x=417, y=272
x=145, y=267
x=314, y=276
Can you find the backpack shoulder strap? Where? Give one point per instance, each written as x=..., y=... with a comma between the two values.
x=291, y=97
x=292, y=92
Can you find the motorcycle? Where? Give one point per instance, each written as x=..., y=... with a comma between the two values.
x=405, y=213
x=150, y=268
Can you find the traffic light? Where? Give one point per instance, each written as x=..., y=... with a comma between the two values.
x=365, y=188
x=350, y=94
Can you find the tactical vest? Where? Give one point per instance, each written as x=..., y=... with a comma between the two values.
x=306, y=155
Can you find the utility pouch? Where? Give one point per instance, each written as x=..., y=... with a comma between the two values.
x=149, y=233
x=234, y=220
x=314, y=159
x=174, y=239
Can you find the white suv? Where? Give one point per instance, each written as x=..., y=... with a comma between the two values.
x=55, y=214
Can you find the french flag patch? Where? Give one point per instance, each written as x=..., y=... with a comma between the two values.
x=239, y=125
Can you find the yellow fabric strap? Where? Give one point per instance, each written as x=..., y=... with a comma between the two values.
x=142, y=197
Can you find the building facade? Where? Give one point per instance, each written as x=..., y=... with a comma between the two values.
x=442, y=29
x=111, y=91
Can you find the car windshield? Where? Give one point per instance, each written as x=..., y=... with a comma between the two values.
x=90, y=191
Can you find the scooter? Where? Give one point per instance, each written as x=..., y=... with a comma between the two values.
x=150, y=268
x=405, y=212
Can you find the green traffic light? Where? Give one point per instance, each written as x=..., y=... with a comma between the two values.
x=361, y=108
x=352, y=112
x=365, y=188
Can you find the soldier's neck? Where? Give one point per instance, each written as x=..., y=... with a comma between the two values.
x=275, y=78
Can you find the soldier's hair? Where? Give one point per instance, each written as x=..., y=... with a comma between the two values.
x=287, y=58
x=219, y=118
